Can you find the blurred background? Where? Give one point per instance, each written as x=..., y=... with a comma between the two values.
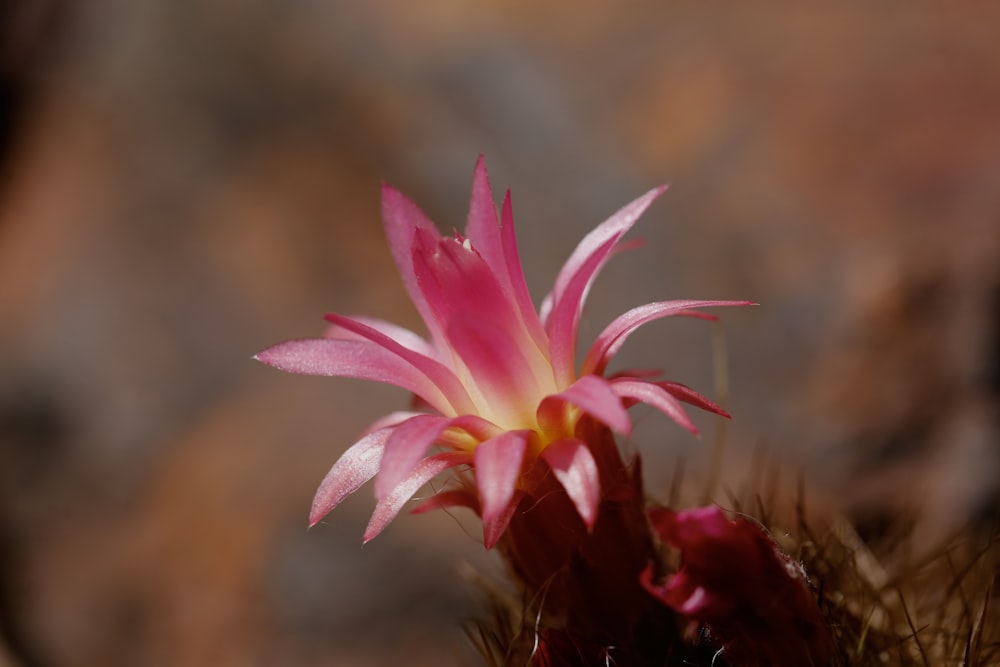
x=184, y=183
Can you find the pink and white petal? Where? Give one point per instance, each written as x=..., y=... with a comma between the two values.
x=615, y=334
x=691, y=397
x=575, y=468
x=404, y=449
x=482, y=226
x=612, y=230
x=497, y=245
x=515, y=272
x=389, y=506
x=498, y=465
x=655, y=396
x=435, y=371
x=391, y=419
x=469, y=426
x=456, y=280
x=402, y=218
x=565, y=318
x=356, y=466
x=497, y=366
x=447, y=500
x=358, y=359
x=402, y=335
x=592, y=394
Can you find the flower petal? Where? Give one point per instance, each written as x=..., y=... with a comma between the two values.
x=507, y=382
x=402, y=335
x=358, y=359
x=498, y=464
x=654, y=395
x=391, y=419
x=691, y=397
x=356, y=466
x=402, y=218
x=575, y=468
x=493, y=531
x=596, y=243
x=483, y=227
x=521, y=294
x=615, y=334
x=564, y=323
x=592, y=394
x=389, y=506
x=408, y=443
x=455, y=278
x=439, y=374
x=754, y=599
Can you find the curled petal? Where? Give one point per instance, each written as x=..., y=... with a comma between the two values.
x=389, y=506
x=356, y=466
x=358, y=359
x=575, y=468
x=615, y=334
x=498, y=464
x=656, y=396
x=592, y=394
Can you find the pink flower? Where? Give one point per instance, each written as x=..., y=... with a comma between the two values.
x=753, y=600
x=499, y=378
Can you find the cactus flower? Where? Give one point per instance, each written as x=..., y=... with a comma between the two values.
x=496, y=380
x=739, y=590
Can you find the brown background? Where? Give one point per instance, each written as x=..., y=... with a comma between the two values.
x=184, y=183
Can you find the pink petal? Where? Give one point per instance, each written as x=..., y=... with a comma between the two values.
x=565, y=319
x=592, y=394
x=596, y=242
x=493, y=531
x=656, y=396
x=498, y=368
x=389, y=506
x=402, y=335
x=475, y=426
x=498, y=247
x=692, y=397
x=402, y=219
x=391, y=419
x=483, y=227
x=576, y=470
x=615, y=334
x=356, y=359
x=356, y=466
x=436, y=372
x=498, y=465
x=521, y=294
x=454, y=278
x=408, y=443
